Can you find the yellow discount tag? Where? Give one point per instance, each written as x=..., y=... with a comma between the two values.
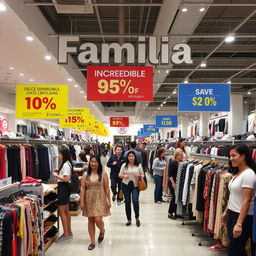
x=76, y=118
x=41, y=101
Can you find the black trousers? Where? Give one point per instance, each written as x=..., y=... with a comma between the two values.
x=237, y=245
x=172, y=205
x=116, y=183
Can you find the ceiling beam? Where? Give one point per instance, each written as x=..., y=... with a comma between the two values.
x=96, y=4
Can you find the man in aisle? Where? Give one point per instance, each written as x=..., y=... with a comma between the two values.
x=144, y=159
x=114, y=163
x=137, y=153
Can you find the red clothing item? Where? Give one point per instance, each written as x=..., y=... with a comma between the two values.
x=2, y=162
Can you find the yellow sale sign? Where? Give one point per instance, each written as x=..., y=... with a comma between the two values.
x=41, y=101
x=76, y=118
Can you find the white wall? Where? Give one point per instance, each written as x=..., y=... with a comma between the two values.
x=132, y=130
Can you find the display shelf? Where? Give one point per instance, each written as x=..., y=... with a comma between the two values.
x=51, y=213
x=51, y=202
x=50, y=241
x=53, y=186
x=75, y=213
x=49, y=227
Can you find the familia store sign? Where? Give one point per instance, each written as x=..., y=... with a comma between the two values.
x=145, y=51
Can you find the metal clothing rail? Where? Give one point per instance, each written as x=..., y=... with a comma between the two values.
x=36, y=141
x=9, y=189
x=210, y=157
x=218, y=142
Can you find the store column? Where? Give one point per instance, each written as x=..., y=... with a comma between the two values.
x=203, y=123
x=235, y=116
x=184, y=126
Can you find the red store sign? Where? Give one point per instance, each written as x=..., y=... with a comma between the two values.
x=119, y=121
x=119, y=83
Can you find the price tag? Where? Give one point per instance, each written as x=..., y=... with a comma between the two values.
x=166, y=121
x=76, y=118
x=204, y=97
x=41, y=101
x=119, y=83
x=5, y=182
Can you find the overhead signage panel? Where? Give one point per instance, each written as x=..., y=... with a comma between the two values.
x=41, y=101
x=119, y=121
x=204, y=97
x=166, y=121
x=150, y=128
x=119, y=83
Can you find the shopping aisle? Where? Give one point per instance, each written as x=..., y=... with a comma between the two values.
x=157, y=235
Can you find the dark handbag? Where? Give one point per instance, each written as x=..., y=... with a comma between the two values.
x=142, y=185
x=74, y=183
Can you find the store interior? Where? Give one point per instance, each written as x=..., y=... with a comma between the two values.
x=221, y=36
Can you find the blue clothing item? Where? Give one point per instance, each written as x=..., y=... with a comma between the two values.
x=129, y=190
x=137, y=153
x=158, y=193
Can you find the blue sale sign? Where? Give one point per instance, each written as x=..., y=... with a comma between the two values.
x=166, y=121
x=150, y=128
x=204, y=97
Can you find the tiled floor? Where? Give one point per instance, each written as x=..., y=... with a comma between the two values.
x=157, y=236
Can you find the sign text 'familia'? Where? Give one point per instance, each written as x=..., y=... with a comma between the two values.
x=146, y=51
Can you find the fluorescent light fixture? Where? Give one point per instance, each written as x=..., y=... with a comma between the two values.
x=167, y=71
x=47, y=57
x=30, y=38
x=184, y=9
x=185, y=81
x=229, y=82
x=245, y=102
x=158, y=85
x=202, y=9
x=11, y=68
x=174, y=91
x=203, y=64
x=2, y=7
x=164, y=102
x=230, y=38
x=70, y=79
x=249, y=92
x=81, y=91
x=21, y=74
x=158, y=108
x=161, y=105
x=75, y=85
x=31, y=80
x=158, y=71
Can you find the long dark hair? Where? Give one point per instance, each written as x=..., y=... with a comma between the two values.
x=178, y=145
x=135, y=160
x=99, y=171
x=66, y=157
x=159, y=153
x=242, y=150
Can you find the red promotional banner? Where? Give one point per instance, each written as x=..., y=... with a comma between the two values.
x=119, y=83
x=119, y=121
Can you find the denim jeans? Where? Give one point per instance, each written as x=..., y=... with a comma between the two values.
x=131, y=191
x=158, y=193
x=116, y=183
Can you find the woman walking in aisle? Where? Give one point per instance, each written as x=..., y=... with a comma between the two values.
x=63, y=176
x=159, y=165
x=172, y=174
x=95, y=198
x=239, y=212
x=130, y=173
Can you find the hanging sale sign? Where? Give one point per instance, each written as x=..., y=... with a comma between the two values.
x=76, y=118
x=41, y=101
x=119, y=121
x=150, y=128
x=119, y=83
x=204, y=97
x=166, y=121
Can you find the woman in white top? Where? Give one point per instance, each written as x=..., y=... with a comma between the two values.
x=63, y=176
x=131, y=172
x=239, y=212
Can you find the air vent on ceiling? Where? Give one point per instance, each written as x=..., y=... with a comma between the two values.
x=87, y=8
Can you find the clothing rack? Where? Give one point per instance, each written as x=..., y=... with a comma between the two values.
x=218, y=142
x=218, y=117
x=38, y=141
x=9, y=189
